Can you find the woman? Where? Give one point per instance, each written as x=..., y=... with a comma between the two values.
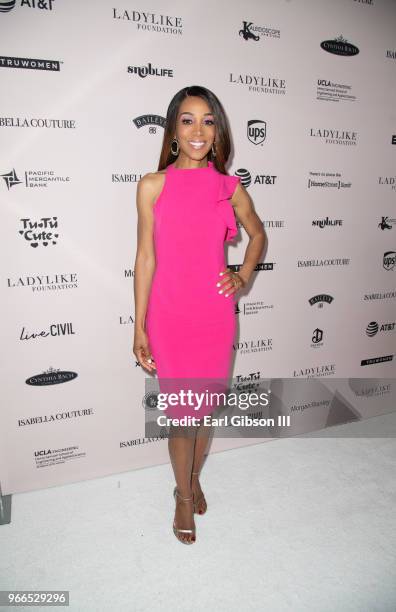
x=184, y=310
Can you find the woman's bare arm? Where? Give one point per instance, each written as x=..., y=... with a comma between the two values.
x=146, y=194
x=244, y=209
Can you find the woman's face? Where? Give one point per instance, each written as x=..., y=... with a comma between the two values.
x=195, y=129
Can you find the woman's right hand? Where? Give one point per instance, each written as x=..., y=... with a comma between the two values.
x=142, y=352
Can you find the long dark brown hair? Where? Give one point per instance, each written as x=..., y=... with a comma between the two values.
x=222, y=140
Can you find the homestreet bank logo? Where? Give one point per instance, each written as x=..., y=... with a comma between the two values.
x=150, y=22
x=29, y=63
x=339, y=46
x=327, y=180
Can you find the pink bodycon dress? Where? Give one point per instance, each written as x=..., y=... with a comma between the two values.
x=190, y=326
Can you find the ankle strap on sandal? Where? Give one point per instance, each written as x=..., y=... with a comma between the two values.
x=183, y=498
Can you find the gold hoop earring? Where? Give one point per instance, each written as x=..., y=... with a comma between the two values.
x=178, y=148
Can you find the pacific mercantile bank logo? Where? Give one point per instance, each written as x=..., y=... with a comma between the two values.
x=33, y=179
x=43, y=232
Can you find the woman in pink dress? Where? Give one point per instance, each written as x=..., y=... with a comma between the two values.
x=184, y=294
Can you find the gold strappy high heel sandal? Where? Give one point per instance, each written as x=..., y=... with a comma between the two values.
x=197, y=502
x=176, y=530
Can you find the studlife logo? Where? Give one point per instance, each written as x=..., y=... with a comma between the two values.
x=339, y=46
x=148, y=70
x=33, y=178
x=326, y=222
x=256, y=131
x=253, y=32
x=7, y=5
x=29, y=63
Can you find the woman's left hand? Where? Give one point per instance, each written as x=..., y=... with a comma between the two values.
x=229, y=282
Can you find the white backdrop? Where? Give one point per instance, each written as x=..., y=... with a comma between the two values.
x=81, y=120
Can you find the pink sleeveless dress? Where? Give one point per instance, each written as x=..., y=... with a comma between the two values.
x=190, y=326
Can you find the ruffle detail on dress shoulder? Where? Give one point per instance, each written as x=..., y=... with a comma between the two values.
x=227, y=189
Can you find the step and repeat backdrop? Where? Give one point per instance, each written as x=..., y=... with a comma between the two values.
x=309, y=88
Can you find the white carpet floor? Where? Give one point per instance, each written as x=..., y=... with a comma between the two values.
x=299, y=524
